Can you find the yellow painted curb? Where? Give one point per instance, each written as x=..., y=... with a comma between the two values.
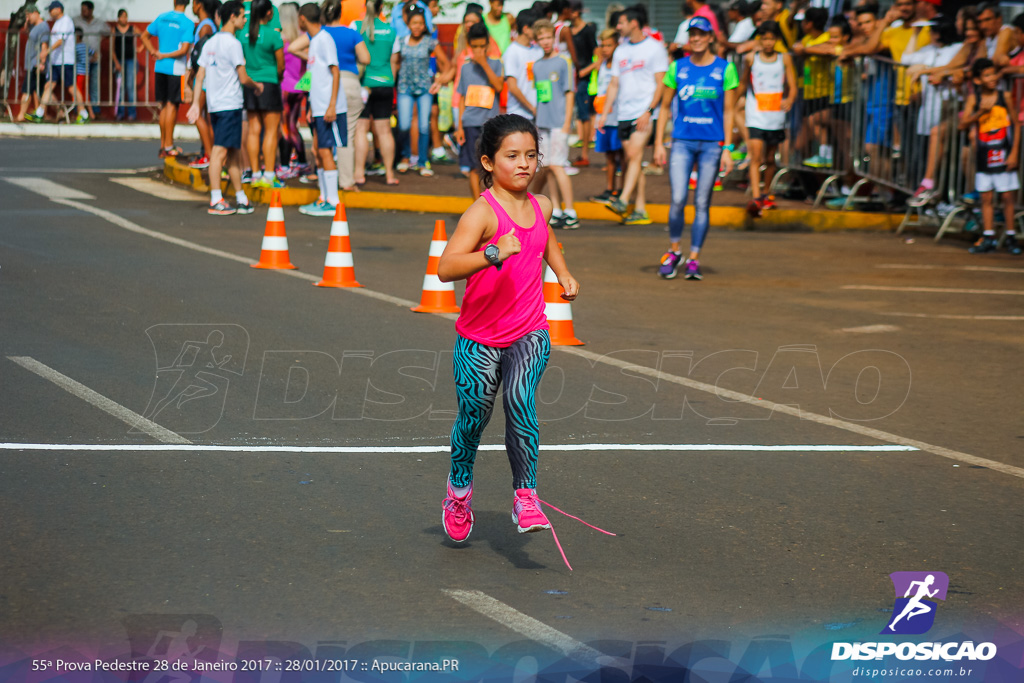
x=728, y=217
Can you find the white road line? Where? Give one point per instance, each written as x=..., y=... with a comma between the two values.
x=136, y=228
x=564, y=448
x=852, y=427
x=765, y=404
x=951, y=316
x=83, y=392
x=48, y=188
x=936, y=290
x=89, y=171
x=925, y=266
x=528, y=626
x=174, y=193
x=871, y=329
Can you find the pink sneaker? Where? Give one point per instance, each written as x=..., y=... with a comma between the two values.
x=457, y=517
x=527, y=515
x=526, y=512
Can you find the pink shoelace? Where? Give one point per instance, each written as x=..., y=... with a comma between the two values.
x=554, y=535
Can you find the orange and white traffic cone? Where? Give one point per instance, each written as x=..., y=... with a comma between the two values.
x=274, y=253
x=558, y=311
x=339, y=270
x=438, y=297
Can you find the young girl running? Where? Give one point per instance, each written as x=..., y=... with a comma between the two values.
x=498, y=247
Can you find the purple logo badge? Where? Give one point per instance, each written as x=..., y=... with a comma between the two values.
x=914, y=613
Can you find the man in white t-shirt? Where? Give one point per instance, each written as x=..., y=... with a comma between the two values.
x=222, y=69
x=327, y=109
x=62, y=58
x=638, y=67
x=518, y=61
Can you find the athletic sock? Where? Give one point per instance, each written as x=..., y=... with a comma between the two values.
x=331, y=187
x=556, y=213
x=215, y=196
x=40, y=111
x=927, y=183
x=989, y=233
x=825, y=151
x=459, y=491
x=571, y=213
x=322, y=184
x=241, y=198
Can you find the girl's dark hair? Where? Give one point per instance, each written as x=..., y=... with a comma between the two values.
x=769, y=26
x=258, y=10
x=331, y=10
x=1018, y=21
x=230, y=9
x=494, y=133
x=211, y=7
x=122, y=11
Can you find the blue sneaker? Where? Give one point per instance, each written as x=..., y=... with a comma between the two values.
x=317, y=208
x=670, y=265
x=693, y=270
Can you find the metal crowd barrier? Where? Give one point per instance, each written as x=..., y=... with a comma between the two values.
x=131, y=87
x=886, y=133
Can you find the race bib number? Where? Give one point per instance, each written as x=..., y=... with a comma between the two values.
x=305, y=82
x=544, y=91
x=480, y=96
x=996, y=158
x=771, y=101
x=599, y=103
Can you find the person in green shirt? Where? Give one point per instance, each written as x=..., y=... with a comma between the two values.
x=263, y=47
x=379, y=79
x=499, y=24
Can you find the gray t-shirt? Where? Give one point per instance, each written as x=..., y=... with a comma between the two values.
x=473, y=76
x=552, y=78
x=92, y=31
x=39, y=34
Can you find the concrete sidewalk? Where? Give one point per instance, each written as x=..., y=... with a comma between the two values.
x=423, y=195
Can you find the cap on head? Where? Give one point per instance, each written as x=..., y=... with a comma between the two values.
x=700, y=24
x=56, y=4
x=30, y=8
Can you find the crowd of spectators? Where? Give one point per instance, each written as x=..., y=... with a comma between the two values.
x=845, y=89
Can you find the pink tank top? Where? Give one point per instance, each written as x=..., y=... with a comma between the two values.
x=501, y=306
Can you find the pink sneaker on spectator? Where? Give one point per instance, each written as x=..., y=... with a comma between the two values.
x=458, y=514
x=526, y=512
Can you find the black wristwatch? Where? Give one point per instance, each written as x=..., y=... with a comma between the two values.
x=492, y=252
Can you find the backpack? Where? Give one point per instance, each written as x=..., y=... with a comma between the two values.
x=197, y=50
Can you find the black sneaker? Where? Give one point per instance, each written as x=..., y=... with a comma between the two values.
x=557, y=222
x=1010, y=245
x=605, y=198
x=984, y=245
x=570, y=222
x=247, y=207
x=247, y=176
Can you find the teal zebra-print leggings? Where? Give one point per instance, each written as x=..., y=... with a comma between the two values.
x=479, y=370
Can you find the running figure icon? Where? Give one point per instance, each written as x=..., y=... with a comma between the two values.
x=915, y=606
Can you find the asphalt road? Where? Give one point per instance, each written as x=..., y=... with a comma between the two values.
x=879, y=342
